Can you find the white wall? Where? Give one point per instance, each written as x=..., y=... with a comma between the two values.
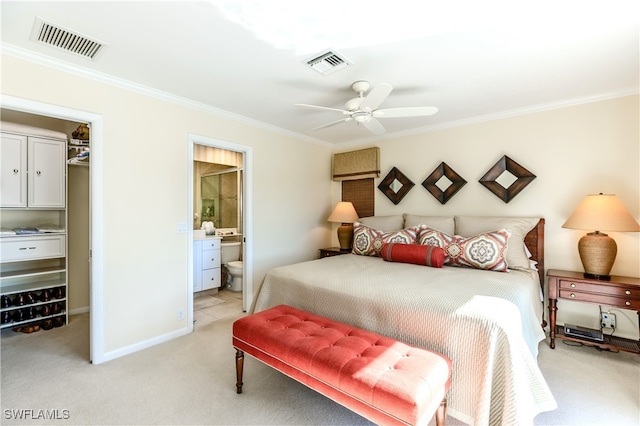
x=145, y=181
x=573, y=151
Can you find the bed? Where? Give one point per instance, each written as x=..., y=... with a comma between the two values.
x=487, y=322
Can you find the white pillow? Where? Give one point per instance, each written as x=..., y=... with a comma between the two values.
x=383, y=223
x=444, y=224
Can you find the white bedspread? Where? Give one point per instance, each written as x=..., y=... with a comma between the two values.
x=488, y=323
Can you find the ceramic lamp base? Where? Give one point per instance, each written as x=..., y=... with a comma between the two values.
x=597, y=253
x=345, y=236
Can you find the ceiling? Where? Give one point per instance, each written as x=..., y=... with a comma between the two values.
x=472, y=60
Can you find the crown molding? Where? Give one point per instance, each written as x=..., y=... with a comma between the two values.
x=27, y=55
x=493, y=117
x=565, y=103
x=80, y=71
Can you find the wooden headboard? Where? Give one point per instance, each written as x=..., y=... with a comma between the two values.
x=535, y=243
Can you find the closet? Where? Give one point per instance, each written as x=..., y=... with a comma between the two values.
x=45, y=264
x=33, y=243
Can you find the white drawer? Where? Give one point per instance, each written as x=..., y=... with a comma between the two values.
x=210, y=259
x=211, y=244
x=211, y=278
x=32, y=248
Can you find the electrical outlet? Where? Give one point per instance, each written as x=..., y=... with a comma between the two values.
x=608, y=320
x=180, y=314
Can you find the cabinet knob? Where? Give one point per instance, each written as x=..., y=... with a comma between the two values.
x=572, y=295
x=628, y=303
x=573, y=285
x=38, y=172
x=627, y=292
x=15, y=171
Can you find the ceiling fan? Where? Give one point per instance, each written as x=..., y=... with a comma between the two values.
x=364, y=109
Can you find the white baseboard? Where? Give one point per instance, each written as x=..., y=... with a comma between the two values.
x=108, y=356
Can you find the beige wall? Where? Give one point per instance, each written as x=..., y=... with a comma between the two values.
x=145, y=162
x=573, y=151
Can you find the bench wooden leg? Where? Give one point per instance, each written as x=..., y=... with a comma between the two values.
x=441, y=413
x=239, y=366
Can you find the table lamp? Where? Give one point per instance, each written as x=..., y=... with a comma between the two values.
x=346, y=214
x=597, y=250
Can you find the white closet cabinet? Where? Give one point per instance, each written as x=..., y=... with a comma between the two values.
x=33, y=266
x=33, y=172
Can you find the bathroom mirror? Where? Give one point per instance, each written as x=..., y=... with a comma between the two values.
x=219, y=197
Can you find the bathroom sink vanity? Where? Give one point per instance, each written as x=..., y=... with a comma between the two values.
x=206, y=263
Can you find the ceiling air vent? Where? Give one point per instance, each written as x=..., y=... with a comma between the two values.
x=61, y=38
x=327, y=62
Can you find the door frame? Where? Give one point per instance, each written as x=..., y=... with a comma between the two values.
x=247, y=217
x=96, y=238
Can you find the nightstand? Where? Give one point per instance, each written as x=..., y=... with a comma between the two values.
x=619, y=292
x=332, y=251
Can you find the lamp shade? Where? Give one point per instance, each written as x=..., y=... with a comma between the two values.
x=602, y=212
x=344, y=213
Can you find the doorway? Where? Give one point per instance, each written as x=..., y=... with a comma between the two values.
x=238, y=173
x=48, y=111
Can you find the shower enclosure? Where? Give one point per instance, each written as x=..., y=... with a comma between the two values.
x=221, y=196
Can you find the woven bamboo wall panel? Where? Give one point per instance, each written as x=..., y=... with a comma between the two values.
x=360, y=193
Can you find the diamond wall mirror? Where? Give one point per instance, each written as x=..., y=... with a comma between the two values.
x=506, y=179
x=443, y=183
x=395, y=185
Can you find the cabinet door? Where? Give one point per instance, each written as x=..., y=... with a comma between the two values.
x=47, y=169
x=13, y=169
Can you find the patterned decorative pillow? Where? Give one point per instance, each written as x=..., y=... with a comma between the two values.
x=483, y=251
x=518, y=226
x=368, y=241
x=413, y=253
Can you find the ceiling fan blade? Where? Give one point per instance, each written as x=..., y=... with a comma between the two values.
x=376, y=96
x=374, y=126
x=405, y=112
x=333, y=123
x=322, y=108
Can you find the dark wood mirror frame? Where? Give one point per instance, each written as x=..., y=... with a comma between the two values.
x=523, y=178
x=385, y=185
x=456, y=183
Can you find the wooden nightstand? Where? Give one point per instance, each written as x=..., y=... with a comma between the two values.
x=620, y=292
x=332, y=251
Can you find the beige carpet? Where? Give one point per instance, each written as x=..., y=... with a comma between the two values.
x=191, y=380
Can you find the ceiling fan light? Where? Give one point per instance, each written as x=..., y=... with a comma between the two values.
x=361, y=117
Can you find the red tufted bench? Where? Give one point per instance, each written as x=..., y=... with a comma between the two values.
x=384, y=380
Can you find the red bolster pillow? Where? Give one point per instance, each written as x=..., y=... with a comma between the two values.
x=413, y=253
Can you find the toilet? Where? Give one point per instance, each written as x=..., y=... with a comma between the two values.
x=235, y=270
x=230, y=257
